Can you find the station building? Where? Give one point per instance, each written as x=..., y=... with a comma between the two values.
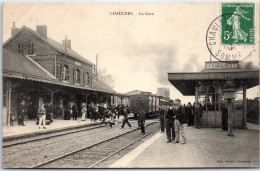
x=39, y=69
x=207, y=86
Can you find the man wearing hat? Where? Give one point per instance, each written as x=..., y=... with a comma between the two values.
x=179, y=121
x=169, y=120
x=125, y=120
x=83, y=111
x=161, y=113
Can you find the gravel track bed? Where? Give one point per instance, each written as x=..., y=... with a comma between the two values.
x=88, y=157
x=114, y=158
x=33, y=153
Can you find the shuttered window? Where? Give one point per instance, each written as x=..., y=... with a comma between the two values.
x=87, y=79
x=65, y=73
x=20, y=48
x=77, y=76
x=30, y=49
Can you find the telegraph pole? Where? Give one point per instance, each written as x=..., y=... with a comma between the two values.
x=65, y=47
x=97, y=60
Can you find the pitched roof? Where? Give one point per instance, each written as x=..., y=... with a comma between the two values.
x=100, y=85
x=20, y=65
x=134, y=92
x=56, y=45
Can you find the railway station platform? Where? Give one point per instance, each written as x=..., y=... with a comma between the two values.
x=58, y=124
x=206, y=147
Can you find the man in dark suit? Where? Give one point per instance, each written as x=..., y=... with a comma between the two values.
x=198, y=114
x=161, y=113
x=169, y=120
x=142, y=121
x=179, y=122
x=22, y=109
x=224, y=118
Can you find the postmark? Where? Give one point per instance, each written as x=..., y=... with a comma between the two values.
x=231, y=36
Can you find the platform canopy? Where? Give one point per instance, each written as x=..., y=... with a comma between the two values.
x=186, y=82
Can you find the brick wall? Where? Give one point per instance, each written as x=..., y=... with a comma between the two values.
x=70, y=62
x=45, y=54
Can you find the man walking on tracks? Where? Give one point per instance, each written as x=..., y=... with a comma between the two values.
x=169, y=120
x=179, y=121
x=125, y=120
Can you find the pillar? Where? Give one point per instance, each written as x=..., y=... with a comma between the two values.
x=9, y=102
x=113, y=99
x=52, y=102
x=244, y=107
x=121, y=98
x=230, y=117
x=196, y=95
x=219, y=98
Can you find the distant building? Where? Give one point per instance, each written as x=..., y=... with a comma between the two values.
x=165, y=92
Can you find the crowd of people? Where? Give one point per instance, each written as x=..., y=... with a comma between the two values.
x=99, y=111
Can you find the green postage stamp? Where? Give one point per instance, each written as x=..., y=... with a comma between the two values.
x=238, y=23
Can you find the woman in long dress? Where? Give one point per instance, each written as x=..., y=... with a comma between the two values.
x=234, y=21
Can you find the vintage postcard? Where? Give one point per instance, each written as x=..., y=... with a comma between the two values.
x=130, y=84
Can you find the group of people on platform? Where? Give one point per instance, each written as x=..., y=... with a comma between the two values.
x=175, y=116
x=45, y=112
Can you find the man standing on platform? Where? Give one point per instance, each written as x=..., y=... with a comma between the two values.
x=198, y=114
x=83, y=112
x=179, y=122
x=21, y=112
x=224, y=118
x=161, y=113
x=169, y=120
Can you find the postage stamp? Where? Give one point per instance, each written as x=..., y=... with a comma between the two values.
x=231, y=35
x=237, y=23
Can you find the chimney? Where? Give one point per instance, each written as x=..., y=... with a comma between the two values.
x=14, y=30
x=68, y=44
x=42, y=30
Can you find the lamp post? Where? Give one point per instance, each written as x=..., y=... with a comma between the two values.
x=229, y=95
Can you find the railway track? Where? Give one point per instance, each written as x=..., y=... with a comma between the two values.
x=10, y=143
x=94, y=155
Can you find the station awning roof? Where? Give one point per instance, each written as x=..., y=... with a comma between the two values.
x=186, y=82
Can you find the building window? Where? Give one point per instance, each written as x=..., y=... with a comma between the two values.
x=65, y=73
x=87, y=79
x=31, y=49
x=77, y=76
x=20, y=48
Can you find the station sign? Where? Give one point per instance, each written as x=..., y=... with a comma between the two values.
x=77, y=63
x=217, y=65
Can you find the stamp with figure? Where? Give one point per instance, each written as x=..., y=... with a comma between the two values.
x=237, y=23
x=231, y=36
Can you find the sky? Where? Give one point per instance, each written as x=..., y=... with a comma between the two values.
x=137, y=50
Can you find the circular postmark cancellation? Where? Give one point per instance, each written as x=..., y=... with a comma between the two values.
x=231, y=36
